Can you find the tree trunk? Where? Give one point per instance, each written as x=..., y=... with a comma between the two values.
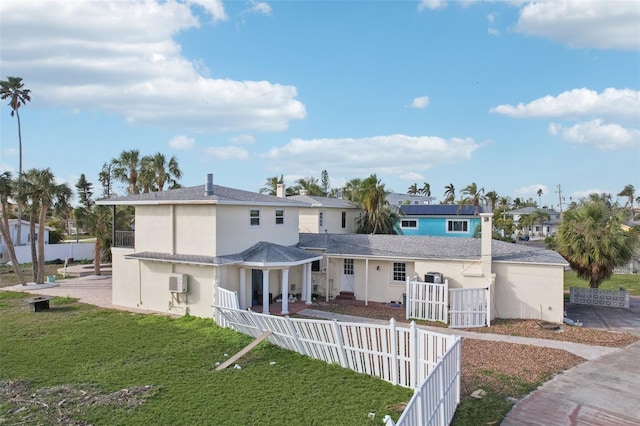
x=43, y=217
x=6, y=237
x=96, y=257
x=32, y=242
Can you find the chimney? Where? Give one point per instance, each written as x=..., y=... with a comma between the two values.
x=280, y=190
x=485, y=250
x=208, y=187
x=303, y=192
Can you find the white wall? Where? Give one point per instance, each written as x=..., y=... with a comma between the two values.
x=78, y=251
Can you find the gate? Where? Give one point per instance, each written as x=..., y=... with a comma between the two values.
x=427, y=301
x=469, y=307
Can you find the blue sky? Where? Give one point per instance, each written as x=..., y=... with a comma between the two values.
x=511, y=95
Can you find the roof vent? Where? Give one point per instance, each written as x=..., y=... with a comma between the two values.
x=208, y=187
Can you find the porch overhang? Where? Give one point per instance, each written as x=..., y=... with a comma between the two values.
x=189, y=259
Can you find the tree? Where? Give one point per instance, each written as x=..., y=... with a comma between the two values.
x=7, y=186
x=541, y=218
x=473, y=196
x=539, y=192
x=84, y=190
x=449, y=194
x=413, y=189
x=105, y=177
x=425, y=190
x=325, y=183
x=126, y=169
x=492, y=198
x=310, y=185
x=351, y=190
x=593, y=241
x=271, y=185
x=160, y=171
x=527, y=221
x=629, y=192
x=379, y=217
x=13, y=89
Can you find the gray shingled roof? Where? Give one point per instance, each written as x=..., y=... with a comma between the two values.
x=186, y=258
x=329, y=202
x=423, y=247
x=264, y=253
x=196, y=195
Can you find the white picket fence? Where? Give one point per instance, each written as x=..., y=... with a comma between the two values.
x=469, y=307
x=427, y=301
x=228, y=299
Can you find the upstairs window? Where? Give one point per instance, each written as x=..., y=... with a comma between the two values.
x=344, y=220
x=254, y=217
x=457, y=226
x=279, y=217
x=321, y=220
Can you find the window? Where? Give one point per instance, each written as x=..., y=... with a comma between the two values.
x=279, y=217
x=408, y=223
x=348, y=267
x=321, y=219
x=344, y=220
x=399, y=271
x=457, y=226
x=254, y=217
x=315, y=266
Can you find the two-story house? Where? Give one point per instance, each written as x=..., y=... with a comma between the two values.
x=548, y=227
x=326, y=214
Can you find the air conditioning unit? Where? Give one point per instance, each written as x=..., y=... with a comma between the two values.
x=178, y=283
x=433, y=277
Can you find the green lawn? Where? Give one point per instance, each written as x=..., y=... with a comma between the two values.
x=631, y=282
x=90, y=350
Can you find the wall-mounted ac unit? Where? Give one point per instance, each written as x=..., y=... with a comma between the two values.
x=178, y=283
x=433, y=277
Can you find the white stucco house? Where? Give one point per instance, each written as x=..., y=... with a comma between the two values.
x=25, y=236
x=189, y=241
x=549, y=227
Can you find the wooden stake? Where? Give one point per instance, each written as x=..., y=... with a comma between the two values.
x=244, y=351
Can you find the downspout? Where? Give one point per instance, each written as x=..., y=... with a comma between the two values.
x=366, y=282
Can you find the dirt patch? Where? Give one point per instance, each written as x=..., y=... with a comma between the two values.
x=62, y=404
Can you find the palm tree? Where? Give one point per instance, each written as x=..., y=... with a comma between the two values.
x=473, y=196
x=310, y=185
x=527, y=221
x=413, y=189
x=449, y=194
x=426, y=189
x=6, y=192
x=126, y=169
x=97, y=220
x=351, y=190
x=541, y=218
x=539, y=192
x=45, y=194
x=13, y=89
x=629, y=192
x=379, y=217
x=504, y=206
x=162, y=171
x=492, y=198
x=271, y=185
x=593, y=241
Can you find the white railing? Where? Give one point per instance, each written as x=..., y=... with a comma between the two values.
x=427, y=301
x=434, y=402
x=228, y=299
x=404, y=356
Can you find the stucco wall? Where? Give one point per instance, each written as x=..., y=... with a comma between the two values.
x=124, y=280
x=529, y=291
x=195, y=229
x=309, y=220
x=332, y=220
x=153, y=229
x=437, y=226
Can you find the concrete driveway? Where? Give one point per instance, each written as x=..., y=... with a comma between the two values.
x=604, y=391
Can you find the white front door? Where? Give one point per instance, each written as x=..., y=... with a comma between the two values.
x=347, y=282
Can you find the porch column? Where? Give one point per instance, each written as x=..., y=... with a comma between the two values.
x=285, y=291
x=366, y=282
x=243, y=289
x=308, y=284
x=265, y=291
x=303, y=291
x=327, y=279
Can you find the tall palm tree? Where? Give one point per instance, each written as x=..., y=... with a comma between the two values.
x=526, y=222
x=351, y=190
x=271, y=185
x=449, y=194
x=126, y=169
x=310, y=185
x=593, y=241
x=41, y=188
x=539, y=192
x=413, y=189
x=13, y=89
x=379, y=217
x=504, y=206
x=6, y=192
x=426, y=189
x=164, y=172
x=629, y=192
x=473, y=196
x=492, y=198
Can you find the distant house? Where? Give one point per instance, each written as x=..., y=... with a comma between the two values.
x=398, y=199
x=439, y=220
x=25, y=236
x=549, y=227
x=191, y=241
x=325, y=214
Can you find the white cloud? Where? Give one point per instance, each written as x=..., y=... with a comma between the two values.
x=242, y=139
x=260, y=7
x=10, y=152
x=599, y=24
x=531, y=190
x=620, y=104
x=393, y=154
x=7, y=168
x=182, y=142
x=121, y=57
x=412, y=176
x=599, y=134
x=432, y=4
x=227, y=152
x=420, y=102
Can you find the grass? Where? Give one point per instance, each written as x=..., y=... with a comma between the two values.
x=631, y=282
x=8, y=277
x=91, y=350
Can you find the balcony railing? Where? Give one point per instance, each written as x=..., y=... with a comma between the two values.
x=125, y=239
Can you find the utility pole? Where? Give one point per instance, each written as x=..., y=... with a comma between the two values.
x=560, y=200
